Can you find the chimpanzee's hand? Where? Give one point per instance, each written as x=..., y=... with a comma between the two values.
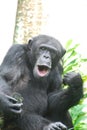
x=73, y=79
x=55, y=126
x=9, y=104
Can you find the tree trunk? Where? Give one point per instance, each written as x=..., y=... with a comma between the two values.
x=29, y=20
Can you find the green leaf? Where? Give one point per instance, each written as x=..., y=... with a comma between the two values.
x=68, y=44
x=73, y=61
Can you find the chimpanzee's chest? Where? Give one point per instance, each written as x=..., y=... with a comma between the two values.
x=35, y=99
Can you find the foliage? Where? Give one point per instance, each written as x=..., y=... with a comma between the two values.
x=76, y=63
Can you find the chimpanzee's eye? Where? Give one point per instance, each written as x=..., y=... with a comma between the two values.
x=42, y=48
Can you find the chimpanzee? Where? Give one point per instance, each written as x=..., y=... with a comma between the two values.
x=31, y=97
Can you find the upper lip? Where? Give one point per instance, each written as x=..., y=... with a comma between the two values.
x=45, y=65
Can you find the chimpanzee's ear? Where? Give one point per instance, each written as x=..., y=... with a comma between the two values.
x=63, y=52
x=30, y=43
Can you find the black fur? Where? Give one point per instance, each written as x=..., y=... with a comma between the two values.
x=45, y=103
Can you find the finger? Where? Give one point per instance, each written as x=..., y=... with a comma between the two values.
x=16, y=106
x=53, y=126
x=16, y=111
x=60, y=125
x=54, y=129
x=11, y=99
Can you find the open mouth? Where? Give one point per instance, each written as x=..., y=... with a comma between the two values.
x=43, y=70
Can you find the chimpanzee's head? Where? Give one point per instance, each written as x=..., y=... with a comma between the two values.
x=45, y=52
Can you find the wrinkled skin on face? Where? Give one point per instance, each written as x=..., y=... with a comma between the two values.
x=47, y=52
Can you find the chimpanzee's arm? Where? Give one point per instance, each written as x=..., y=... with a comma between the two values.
x=9, y=72
x=61, y=100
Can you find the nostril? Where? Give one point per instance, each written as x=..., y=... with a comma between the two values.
x=46, y=57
